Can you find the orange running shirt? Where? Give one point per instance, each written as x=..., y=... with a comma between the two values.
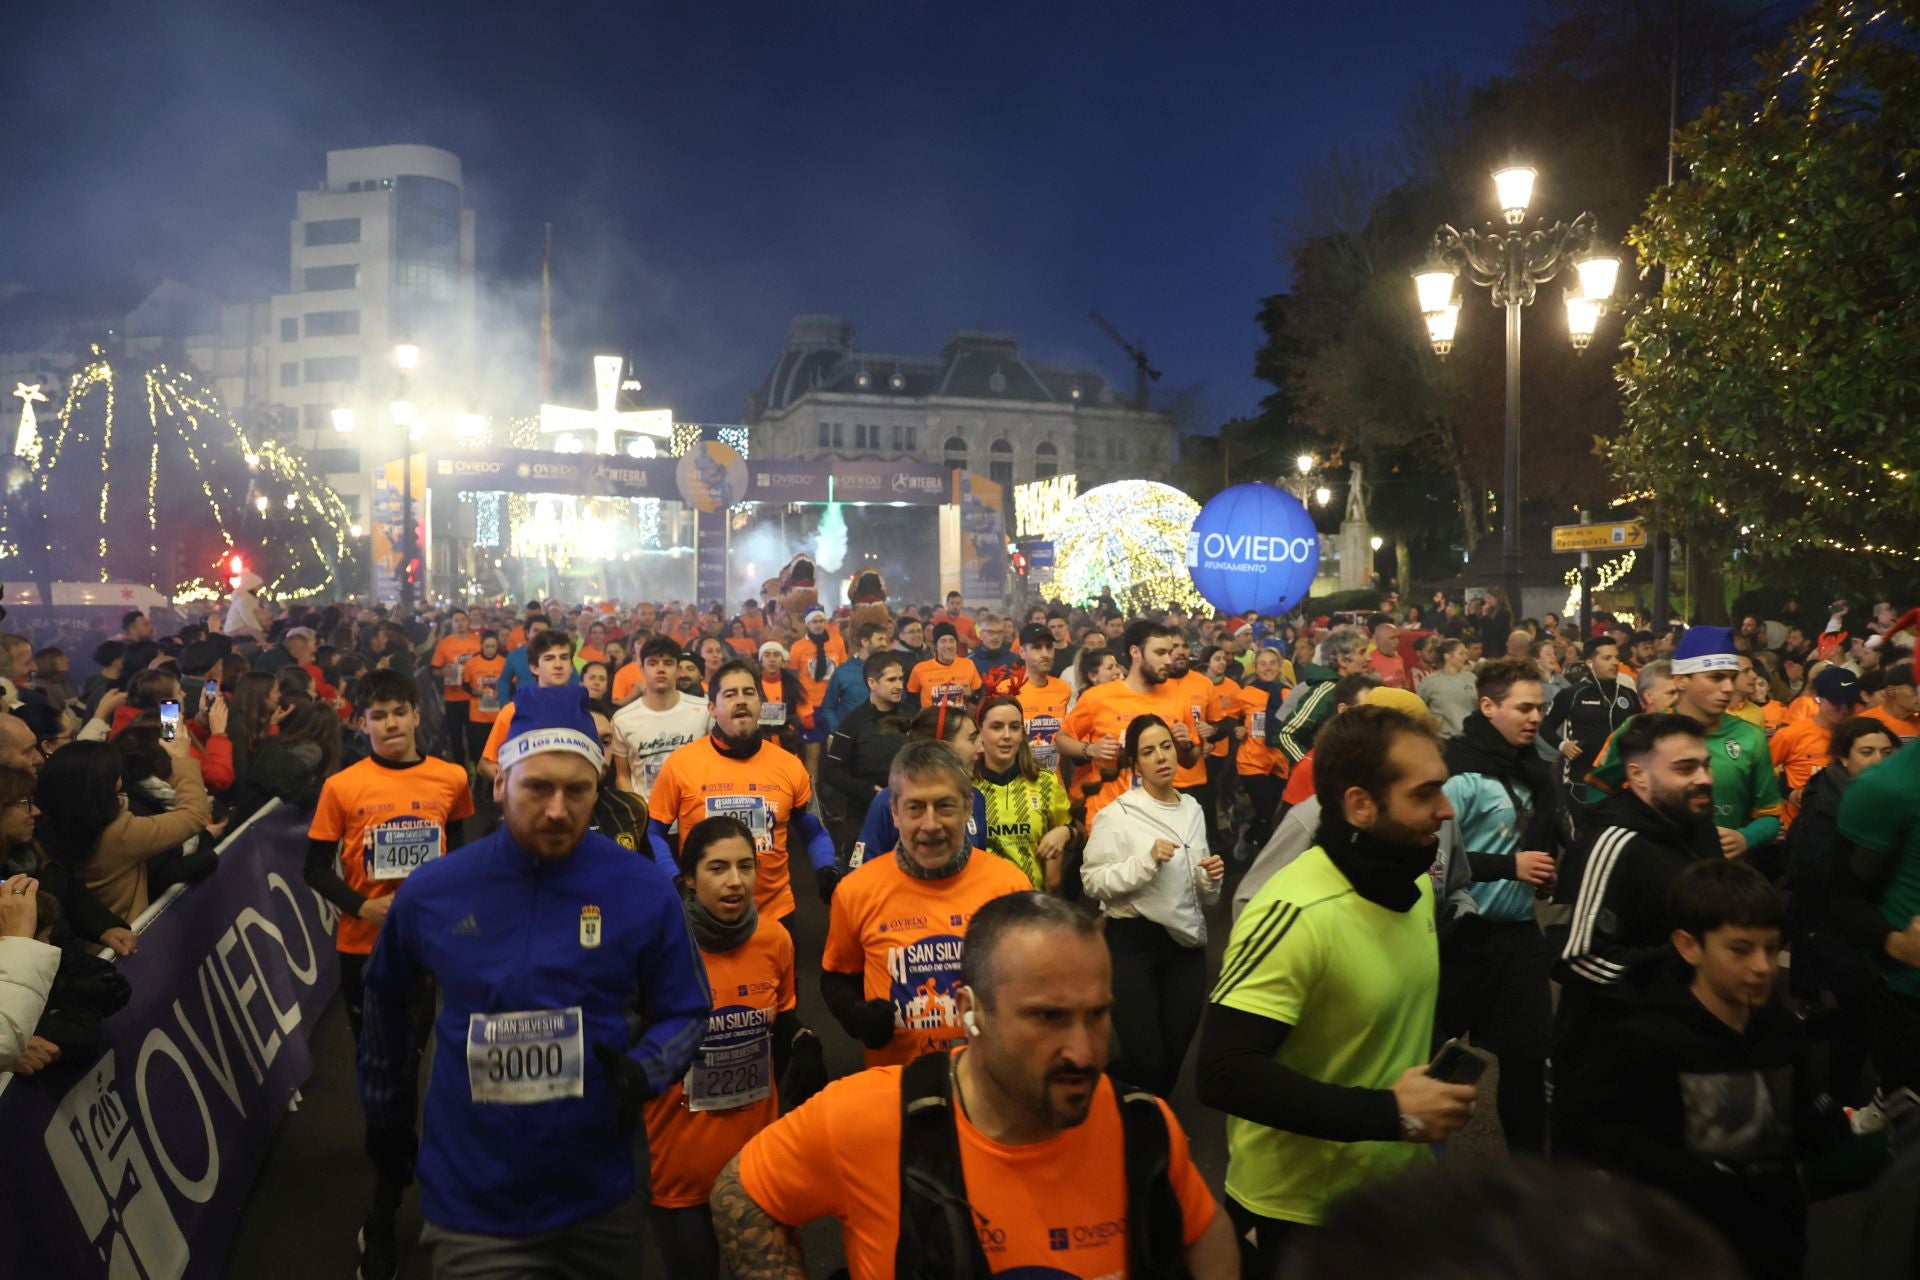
x=764, y=791
x=1189, y=698
x=1104, y=709
x=394, y=817
x=1902, y=727
x=448, y=655
x=936, y=682
x=904, y=935
x=728, y=1094
x=1046, y=1209
x=1799, y=751
x=482, y=676
x=1256, y=757
x=1045, y=710
x=1225, y=695
x=800, y=662
x=626, y=683
x=497, y=736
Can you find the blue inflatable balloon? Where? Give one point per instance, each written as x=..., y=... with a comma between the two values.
x=1253, y=547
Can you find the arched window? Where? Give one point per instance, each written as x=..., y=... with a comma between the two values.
x=1046, y=460
x=1000, y=461
x=956, y=457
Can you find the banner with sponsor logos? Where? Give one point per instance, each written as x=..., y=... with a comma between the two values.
x=795, y=480
x=139, y=1163
x=536, y=471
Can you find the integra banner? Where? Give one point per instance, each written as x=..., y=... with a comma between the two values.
x=139, y=1163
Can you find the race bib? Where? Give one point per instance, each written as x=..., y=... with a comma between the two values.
x=450, y=674
x=399, y=847
x=522, y=1058
x=751, y=811
x=725, y=1076
x=649, y=770
x=1040, y=734
x=1258, y=728
x=950, y=693
x=773, y=714
x=490, y=694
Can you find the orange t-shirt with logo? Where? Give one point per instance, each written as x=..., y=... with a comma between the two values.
x=1256, y=757
x=1045, y=711
x=482, y=677
x=389, y=820
x=1056, y=1208
x=451, y=651
x=1104, y=709
x=764, y=791
x=729, y=1094
x=903, y=935
x=935, y=682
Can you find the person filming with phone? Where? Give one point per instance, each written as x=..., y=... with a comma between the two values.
x=1316, y=1036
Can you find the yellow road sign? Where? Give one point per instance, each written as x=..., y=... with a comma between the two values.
x=1599, y=537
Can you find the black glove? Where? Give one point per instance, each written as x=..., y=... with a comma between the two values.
x=627, y=1079
x=824, y=879
x=872, y=1023
x=806, y=1072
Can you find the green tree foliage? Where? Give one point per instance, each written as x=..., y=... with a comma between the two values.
x=1772, y=389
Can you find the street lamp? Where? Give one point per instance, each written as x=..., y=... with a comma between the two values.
x=1512, y=264
x=1322, y=496
x=407, y=356
x=344, y=421
x=1304, y=463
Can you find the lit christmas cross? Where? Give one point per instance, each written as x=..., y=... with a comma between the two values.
x=654, y=427
x=26, y=442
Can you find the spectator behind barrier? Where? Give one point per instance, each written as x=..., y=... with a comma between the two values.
x=292, y=764
x=86, y=826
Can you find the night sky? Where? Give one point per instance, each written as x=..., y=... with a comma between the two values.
x=712, y=170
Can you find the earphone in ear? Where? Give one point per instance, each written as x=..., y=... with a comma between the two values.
x=971, y=1023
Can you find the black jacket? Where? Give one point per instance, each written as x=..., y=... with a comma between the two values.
x=1616, y=881
x=859, y=754
x=1480, y=749
x=1588, y=713
x=1675, y=1098
x=1827, y=956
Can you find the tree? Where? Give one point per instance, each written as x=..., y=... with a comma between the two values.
x=1772, y=389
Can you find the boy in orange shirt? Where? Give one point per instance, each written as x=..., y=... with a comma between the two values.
x=385, y=817
x=892, y=958
x=449, y=656
x=734, y=1088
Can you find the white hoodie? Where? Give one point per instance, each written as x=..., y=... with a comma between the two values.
x=246, y=616
x=26, y=975
x=1120, y=873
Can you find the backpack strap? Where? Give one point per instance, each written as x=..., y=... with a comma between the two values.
x=1156, y=1227
x=937, y=1237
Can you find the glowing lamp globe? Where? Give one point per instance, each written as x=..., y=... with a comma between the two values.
x=1253, y=548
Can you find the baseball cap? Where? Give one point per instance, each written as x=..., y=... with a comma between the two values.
x=1036, y=633
x=1838, y=686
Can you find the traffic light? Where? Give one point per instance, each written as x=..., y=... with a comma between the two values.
x=236, y=569
x=1020, y=563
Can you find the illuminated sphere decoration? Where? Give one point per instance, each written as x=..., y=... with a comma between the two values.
x=1253, y=549
x=1129, y=538
x=143, y=477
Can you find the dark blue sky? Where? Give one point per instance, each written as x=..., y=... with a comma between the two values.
x=714, y=169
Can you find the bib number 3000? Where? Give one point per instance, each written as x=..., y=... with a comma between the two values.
x=521, y=1058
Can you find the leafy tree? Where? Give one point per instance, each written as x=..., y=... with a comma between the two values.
x=1771, y=390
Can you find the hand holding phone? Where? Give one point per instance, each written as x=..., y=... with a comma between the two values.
x=1456, y=1063
x=169, y=721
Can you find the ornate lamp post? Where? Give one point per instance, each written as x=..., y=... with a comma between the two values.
x=1513, y=264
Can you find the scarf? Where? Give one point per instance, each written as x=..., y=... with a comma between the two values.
x=954, y=866
x=1481, y=749
x=1381, y=871
x=732, y=752
x=714, y=934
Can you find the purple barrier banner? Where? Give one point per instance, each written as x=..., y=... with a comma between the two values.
x=788, y=480
x=139, y=1163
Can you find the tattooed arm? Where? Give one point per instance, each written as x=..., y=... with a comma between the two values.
x=754, y=1245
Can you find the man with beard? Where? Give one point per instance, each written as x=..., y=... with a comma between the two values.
x=1746, y=793
x=1100, y=718
x=1495, y=966
x=1318, y=1032
x=1187, y=699
x=732, y=772
x=1617, y=882
x=570, y=991
x=1016, y=1128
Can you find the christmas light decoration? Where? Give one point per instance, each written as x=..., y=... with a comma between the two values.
x=1604, y=578
x=179, y=443
x=1040, y=506
x=26, y=441
x=1128, y=538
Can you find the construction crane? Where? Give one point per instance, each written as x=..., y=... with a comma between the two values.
x=1143, y=370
